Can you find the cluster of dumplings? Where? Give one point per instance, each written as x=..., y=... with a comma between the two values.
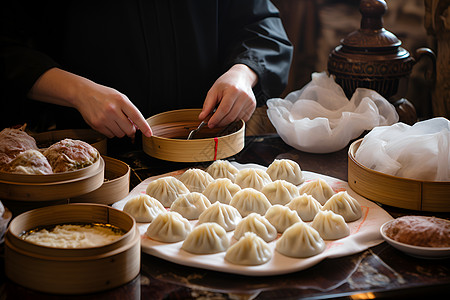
x=257, y=206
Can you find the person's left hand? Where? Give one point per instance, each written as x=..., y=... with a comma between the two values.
x=233, y=92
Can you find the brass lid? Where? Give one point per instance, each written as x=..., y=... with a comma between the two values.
x=372, y=36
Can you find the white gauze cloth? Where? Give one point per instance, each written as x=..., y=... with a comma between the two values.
x=319, y=118
x=420, y=152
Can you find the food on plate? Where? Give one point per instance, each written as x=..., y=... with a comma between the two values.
x=345, y=205
x=259, y=225
x=281, y=217
x=250, y=250
x=166, y=190
x=222, y=190
x=319, y=189
x=285, y=169
x=143, y=208
x=69, y=155
x=74, y=235
x=206, y=238
x=420, y=231
x=169, y=227
x=223, y=214
x=190, y=205
x=249, y=200
x=196, y=180
x=280, y=192
x=306, y=207
x=29, y=162
x=14, y=141
x=300, y=241
x=252, y=178
x=330, y=226
x=222, y=169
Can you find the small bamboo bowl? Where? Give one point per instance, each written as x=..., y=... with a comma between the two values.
x=97, y=140
x=26, y=187
x=116, y=185
x=72, y=271
x=169, y=141
x=433, y=196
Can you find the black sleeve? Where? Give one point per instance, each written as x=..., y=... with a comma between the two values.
x=254, y=36
x=21, y=64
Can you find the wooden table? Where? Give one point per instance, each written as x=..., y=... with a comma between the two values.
x=379, y=272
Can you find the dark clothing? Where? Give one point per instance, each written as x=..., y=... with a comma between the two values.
x=162, y=54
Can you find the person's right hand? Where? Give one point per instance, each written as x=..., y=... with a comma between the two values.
x=105, y=109
x=110, y=112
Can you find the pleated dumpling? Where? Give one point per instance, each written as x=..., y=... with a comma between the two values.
x=306, y=207
x=259, y=225
x=221, y=190
x=250, y=250
x=281, y=217
x=285, y=169
x=222, y=214
x=345, y=205
x=252, y=178
x=280, y=192
x=206, y=238
x=143, y=208
x=319, y=189
x=300, y=240
x=330, y=226
x=190, y=205
x=166, y=190
x=169, y=227
x=196, y=180
x=222, y=169
x=249, y=200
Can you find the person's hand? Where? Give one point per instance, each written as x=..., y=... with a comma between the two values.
x=110, y=112
x=233, y=92
x=104, y=109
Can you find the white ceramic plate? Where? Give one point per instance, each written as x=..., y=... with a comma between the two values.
x=364, y=233
x=416, y=251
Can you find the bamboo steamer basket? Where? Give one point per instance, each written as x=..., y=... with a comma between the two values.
x=97, y=140
x=433, y=196
x=72, y=271
x=169, y=141
x=27, y=187
x=115, y=187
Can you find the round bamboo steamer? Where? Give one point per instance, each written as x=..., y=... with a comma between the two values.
x=27, y=187
x=94, y=138
x=72, y=271
x=115, y=187
x=433, y=196
x=171, y=129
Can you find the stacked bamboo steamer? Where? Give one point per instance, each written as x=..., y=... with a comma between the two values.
x=74, y=270
x=432, y=196
x=105, y=182
x=171, y=129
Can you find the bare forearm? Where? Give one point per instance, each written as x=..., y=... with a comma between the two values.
x=103, y=108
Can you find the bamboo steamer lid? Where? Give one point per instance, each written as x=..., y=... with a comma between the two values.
x=97, y=140
x=115, y=187
x=169, y=141
x=72, y=271
x=433, y=196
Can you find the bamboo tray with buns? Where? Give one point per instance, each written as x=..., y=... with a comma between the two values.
x=57, y=186
x=171, y=129
x=433, y=196
x=72, y=270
